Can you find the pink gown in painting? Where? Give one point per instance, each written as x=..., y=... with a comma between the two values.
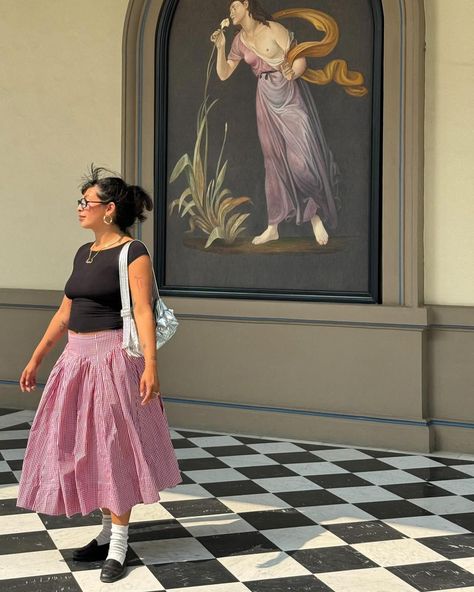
x=301, y=176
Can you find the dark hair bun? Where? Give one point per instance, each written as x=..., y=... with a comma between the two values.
x=130, y=200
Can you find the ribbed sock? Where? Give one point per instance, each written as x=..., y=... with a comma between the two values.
x=104, y=535
x=118, y=543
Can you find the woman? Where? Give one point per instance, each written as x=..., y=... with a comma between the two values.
x=93, y=442
x=301, y=177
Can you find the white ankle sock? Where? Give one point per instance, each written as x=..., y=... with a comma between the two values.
x=118, y=543
x=104, y=535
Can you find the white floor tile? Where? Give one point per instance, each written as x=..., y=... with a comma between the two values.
x=74, y=537
x=137, y=579
x=468, y=469
x=248, y=460
x=335, y=514
x=417, y=527
x=16, y=523
x=398, y=552
x=13, y=454
x=170, y=550
x=375, y=579
x=316, y=468
x=4, y=467
x=36, y=563
x=262, y=566
x=358, y=495
x=217, y=524
x=450, y=504
x=13, y=419
x=215, y=475
x=279, y=484
x=342, y=454
x=457, y=486
x=185, y=491
x=276, y=447
x=8, y=491
x=175, y=436
x=388, y=477
x=231, y=587
x=411, y=462
x=211, y=441
x=253, y=503
x=13, y=435
x=148, y=512
x=302, y=537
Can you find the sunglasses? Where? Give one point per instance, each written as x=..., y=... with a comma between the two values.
x=84, y=203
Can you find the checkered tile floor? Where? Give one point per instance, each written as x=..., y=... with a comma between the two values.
x=260, y=515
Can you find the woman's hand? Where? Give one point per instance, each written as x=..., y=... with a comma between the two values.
x=28, y=376
x=287, y=70
x=218, y=38
x=149, y=384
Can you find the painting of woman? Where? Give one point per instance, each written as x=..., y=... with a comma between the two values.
x=301, y=176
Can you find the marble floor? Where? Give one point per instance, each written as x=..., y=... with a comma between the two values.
x=260, y=515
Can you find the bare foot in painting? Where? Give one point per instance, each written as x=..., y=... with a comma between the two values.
x=271, y=233
x=319, y=231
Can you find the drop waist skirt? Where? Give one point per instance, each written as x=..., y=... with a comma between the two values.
x=92, y=444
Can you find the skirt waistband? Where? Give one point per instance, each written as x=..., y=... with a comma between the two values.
x=92, y=344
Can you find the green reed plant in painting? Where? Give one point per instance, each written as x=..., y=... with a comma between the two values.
x=206, y=201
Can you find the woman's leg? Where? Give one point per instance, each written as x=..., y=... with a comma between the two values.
x=119, y=538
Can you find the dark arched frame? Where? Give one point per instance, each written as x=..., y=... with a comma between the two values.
x=373, y=294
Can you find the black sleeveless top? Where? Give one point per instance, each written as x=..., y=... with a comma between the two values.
x=94, y=288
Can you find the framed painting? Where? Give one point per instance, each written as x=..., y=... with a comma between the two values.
x=268, y=149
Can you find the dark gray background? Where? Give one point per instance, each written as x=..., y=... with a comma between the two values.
x=346, y=122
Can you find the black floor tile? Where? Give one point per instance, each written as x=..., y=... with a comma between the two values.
x=191, y=434
x=265, y=471
x=226, y=488
x=52, y=522
x=338, y=480
x=191, y=573
x=416, y=490
x=46, y=583
x=427, y=577
x=201, y=464
x=454, y=546
x=286, y=458
x=196, y=507
x=285, y=518
x=230, y=450
x=364, y=532
x=299, y=584
x=465, y=520
x=393, y=509
x=7, y=477
x=12, y=444
x=364, y=465
x=437, y=473
x=329, y=559
x=15, y=465
x=25, y=542
x=17, y=426
x=451, y=462
x=156, y=530
x=310, y=497
x=183, y=443
x=251, y=440
x=8, y=507
x=241, y=543
x=381, y=453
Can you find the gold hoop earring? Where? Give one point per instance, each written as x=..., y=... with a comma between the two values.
x=108, y=222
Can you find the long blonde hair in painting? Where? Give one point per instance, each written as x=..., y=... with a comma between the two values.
x=337, y=70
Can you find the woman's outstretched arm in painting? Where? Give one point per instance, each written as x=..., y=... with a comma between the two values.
x=224, y=66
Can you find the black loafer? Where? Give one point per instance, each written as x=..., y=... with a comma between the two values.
x=112, y=570
x=91, y=552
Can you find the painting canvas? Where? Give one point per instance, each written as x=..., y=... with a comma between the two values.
x=268, y=129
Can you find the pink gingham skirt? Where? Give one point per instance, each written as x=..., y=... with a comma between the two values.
x=92, y=444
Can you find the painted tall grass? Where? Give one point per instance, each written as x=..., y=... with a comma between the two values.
x=206, y=201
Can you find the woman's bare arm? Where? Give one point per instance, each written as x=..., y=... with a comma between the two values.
x=56, y=329
x=224, y=67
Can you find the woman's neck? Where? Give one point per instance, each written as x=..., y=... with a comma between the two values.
x=249, y=25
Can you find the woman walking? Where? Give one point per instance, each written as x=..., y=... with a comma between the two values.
x=100, y=436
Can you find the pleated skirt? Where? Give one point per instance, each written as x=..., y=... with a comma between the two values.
x=92, y=444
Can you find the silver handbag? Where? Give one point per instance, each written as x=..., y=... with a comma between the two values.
x=166, y=322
